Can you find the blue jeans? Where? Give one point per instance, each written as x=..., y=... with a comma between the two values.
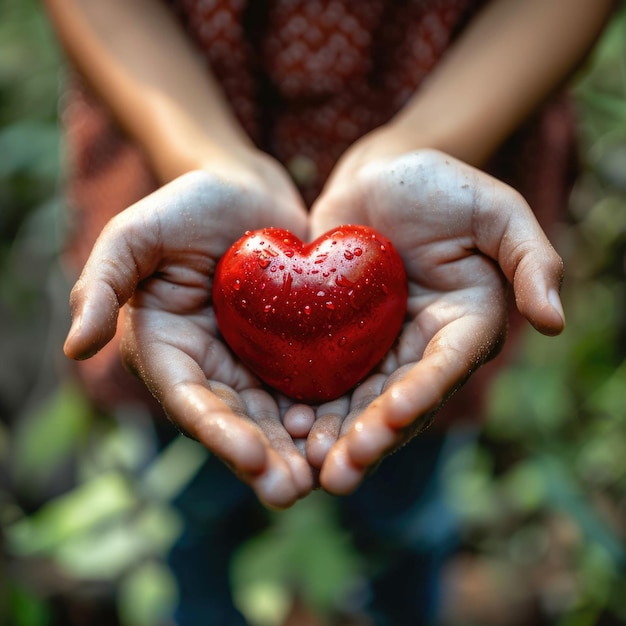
x=398, y=521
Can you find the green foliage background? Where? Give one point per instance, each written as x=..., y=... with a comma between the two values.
x=85, y=515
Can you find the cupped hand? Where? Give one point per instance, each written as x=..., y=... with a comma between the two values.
x=464, y=238
x=152, y=268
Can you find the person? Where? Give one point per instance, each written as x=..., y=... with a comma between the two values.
x=189, y=122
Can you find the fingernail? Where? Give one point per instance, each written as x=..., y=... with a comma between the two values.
x=77, y=322
x=555, y=300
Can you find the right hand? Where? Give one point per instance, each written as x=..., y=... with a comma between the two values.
x=154, y=262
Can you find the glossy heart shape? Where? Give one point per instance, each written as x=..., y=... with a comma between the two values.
x=311, y=320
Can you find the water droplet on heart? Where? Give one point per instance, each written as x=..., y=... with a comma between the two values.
x=244, y=304
x=288, y=253
x=358, y=251
x=348, y=255
x=320, y=294
x=287, y=380
x=342, y=281
x=264, y=262
x=352, y=300
x=330, y=305
x=281, y=267
x=342, y=342
x=362, y=324
x=325, y=274
x=382, y=248
x=287, y=282
x=237, y=285
x=384, y=288
x=320, y=258
x=297, y=270
x=273, y=268
x=267, y=308
x=307, y=309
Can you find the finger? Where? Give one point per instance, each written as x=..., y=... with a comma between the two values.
x=336, y=418
x=216, y=417
x=212, y=413
x=298, y=420
x=172, y=223
x=290, y=477
x=325, y=430
x=127, y=251
x=333, y=208
x=371, y=437
x=507, y=230
x=409, y=400
x=107, y=281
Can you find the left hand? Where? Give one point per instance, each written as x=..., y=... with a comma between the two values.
x=152, y=267
x=463, y=236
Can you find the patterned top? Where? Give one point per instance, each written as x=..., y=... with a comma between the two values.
x=306, y=78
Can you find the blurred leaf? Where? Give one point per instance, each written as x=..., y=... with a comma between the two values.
x=31, y=146
x=598, y=574
x=529, y=402
x=173, y=468
x=109, y=550
x=528, y=545
x=581, y=617
x=46, y=437
x=606, y=105
x=524, y=487
x=610, y=398
x=25, y=608
x=263, y=602
x=601, y=461
x=29, y=62
x=305, y=551
x=123, y=444
x=565, y=495
x=5, y=444
x=104, y=498
x=147, y=595
x=470, y=485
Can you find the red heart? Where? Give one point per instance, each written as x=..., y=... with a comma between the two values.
x=311, y=320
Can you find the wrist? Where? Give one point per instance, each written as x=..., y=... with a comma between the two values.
x=176, y=144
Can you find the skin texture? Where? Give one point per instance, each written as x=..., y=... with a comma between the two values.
x=457, y=277
x=458, y=249
x=169, y=333
x=462, y=235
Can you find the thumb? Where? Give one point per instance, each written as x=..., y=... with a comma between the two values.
x=120, y=258
x=506, y=229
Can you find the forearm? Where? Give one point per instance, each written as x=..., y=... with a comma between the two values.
x=136, y=57
x=514, y=54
